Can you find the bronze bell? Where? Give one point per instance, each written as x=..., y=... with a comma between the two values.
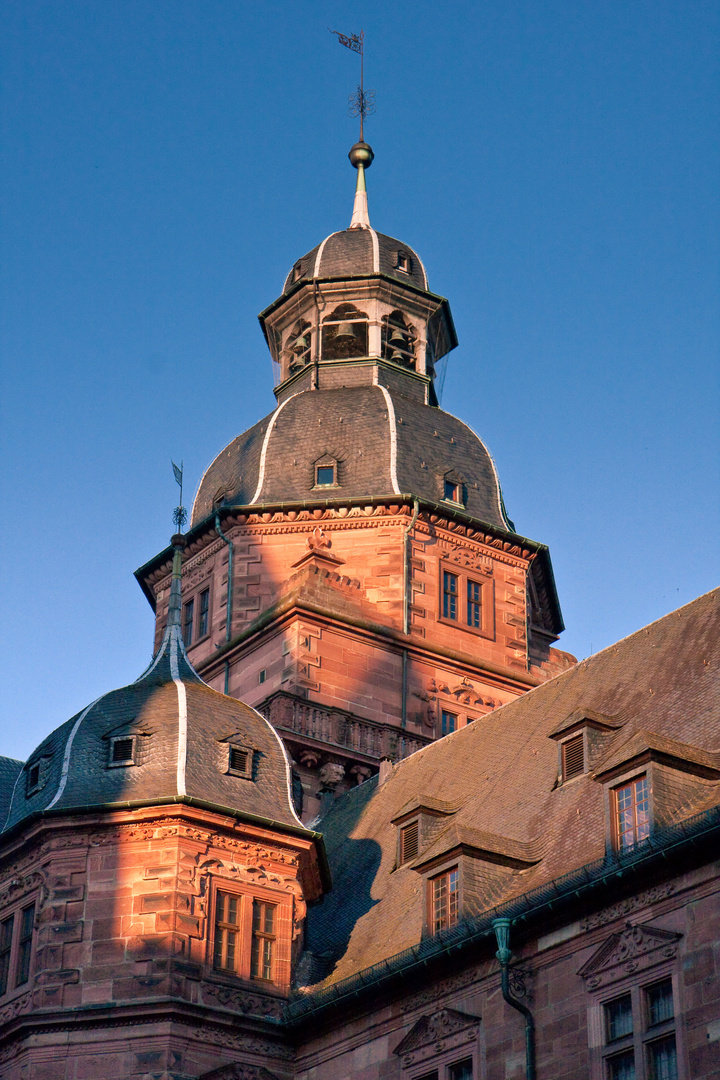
x=345, y=332
x=397, y=337
x=398, y=357
x=300, y=344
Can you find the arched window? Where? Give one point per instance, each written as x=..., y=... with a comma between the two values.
x=345, y=333
x=298, y=346
x=398, y=340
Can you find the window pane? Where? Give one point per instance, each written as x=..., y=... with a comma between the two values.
x=188, y=622
x=618, y=1018
x=447, y=722
x=662, y=1059
x=325, y=475
x=621, y=1067
x=25, y=945
x=263, y=941
x=474, y=609
x=6, y=932
x=444, y=899
x=660, y=1002
x=203, y=614
x=632, y=805
x=450, y=598
x=462, y=1070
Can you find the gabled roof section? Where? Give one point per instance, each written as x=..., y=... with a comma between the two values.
x=649, y=746
x=480, y=845
x=580, y=718
x=665, y=679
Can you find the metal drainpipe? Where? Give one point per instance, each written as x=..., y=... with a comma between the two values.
x=406, y=606
x=502, y=933
x=228, y=610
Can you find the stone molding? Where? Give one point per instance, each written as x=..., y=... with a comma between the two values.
x=633, y=949
x=448, y=1029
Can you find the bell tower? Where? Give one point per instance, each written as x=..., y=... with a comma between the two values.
x=350, y=568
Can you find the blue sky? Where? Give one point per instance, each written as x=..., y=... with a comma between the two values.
x=164, y=162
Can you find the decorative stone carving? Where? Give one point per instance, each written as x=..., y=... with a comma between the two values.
x=331, y=774
x=627, y=906
x=633, y=949
x=236, y=1071
x=444, y=1030
x=241, y=1000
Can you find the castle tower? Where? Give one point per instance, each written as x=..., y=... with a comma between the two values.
x=350, y=568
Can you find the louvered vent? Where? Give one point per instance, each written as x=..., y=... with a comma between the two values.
x=573, y=757
x=122, y=751
x=239, y=759
x=409, y=841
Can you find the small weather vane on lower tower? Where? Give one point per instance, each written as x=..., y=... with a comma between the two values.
x=179, y=513
x=362, y=102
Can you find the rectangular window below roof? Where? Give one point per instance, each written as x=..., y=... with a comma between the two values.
x=450, y=595
x=325, y=476
x=27, y=923
x=122, y=752
x=6, y=936
x=444, y=900
x=187, y=628
x=632, y=813
x=448, y=722
x=203, y=613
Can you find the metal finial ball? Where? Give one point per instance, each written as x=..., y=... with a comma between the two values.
x=361, y=154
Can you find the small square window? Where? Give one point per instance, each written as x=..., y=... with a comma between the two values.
x=618, y=1018
x=240, y=762
x=452, y=491
x=33, y=778
x=448, y=722
x=122, y=750
x=403, y=262
x=324, y=475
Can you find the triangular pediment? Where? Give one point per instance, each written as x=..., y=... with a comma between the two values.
x=632, y=949
x=435, y=1028
x=237, y=1071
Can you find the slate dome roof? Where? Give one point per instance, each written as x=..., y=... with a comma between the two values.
x=182, y=730
x=358, y=251
x=383, y=442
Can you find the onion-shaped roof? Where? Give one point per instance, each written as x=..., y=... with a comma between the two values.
x=384, y=444
x=177, y=739
x=359, y=251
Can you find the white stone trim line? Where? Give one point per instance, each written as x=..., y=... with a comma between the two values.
x=266, y=440
x=393, y=435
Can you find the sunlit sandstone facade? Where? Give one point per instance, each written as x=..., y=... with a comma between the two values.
x=514, y=870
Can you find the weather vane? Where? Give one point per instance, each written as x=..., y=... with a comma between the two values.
x=361, y=103
x=179, y=513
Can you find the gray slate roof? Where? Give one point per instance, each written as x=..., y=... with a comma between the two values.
x=353, y=426
x=167, y=705
x=353, y=252
x=662, y=686
x=9, y=772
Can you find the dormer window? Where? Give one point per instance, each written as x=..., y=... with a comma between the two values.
x=240, y=761
x=409, y=841
x=403, y=262
x=122, y=751
x=33, y=778
x=325, y=472
x=453, y=488
x=631, y=813
x=324, y=475
x=36, y=774
x=444, y=900
x=573, y=757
